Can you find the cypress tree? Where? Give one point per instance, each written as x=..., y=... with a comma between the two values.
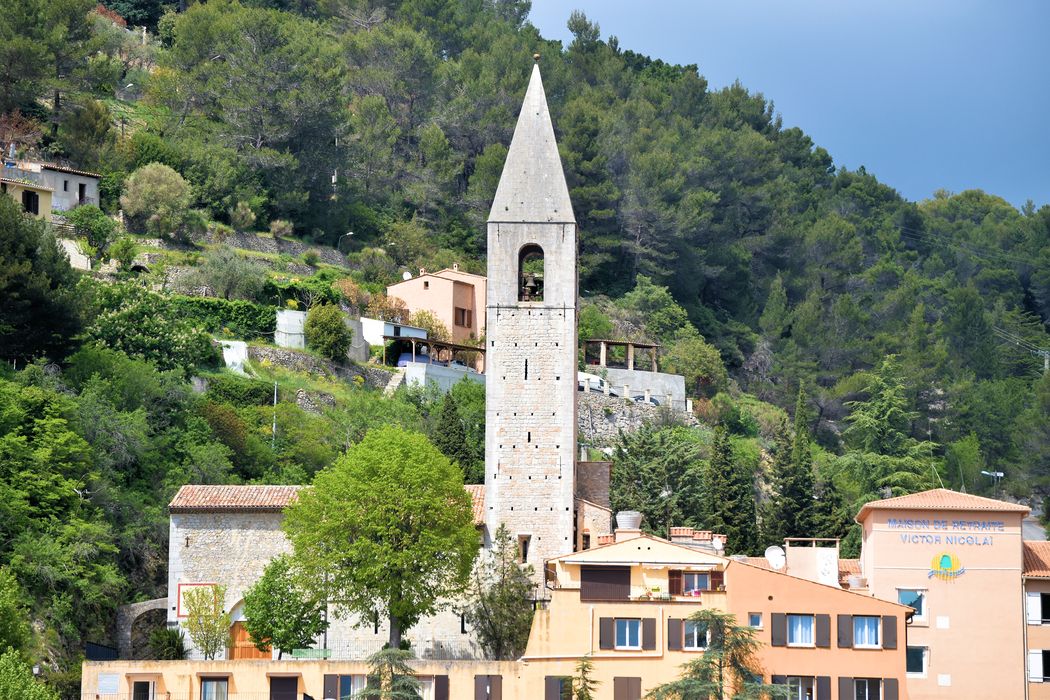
x=792, y=509
x=450, y=437
x=731, y=499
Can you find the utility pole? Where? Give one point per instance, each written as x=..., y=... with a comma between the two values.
x=273, y=438
x=1025, y=345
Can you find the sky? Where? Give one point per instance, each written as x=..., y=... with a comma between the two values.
x=925, y=94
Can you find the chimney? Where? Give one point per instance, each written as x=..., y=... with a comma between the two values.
x=682, y=535
x=455, y=267
x=813, y=558
x=628, y=525
x=422, y=270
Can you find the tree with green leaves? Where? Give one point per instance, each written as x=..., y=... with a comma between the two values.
x=14, y=617
x=654, y=472
x=584, y=687
x=449, y=435
x=92, y=223
x=280, y=612
x=387, y=530
x=390, y=677
x=157, y=199
x=727, y=669
x=41, y=311
x=17, y=681
x=499, y=600
x=791, y=508
x=327, y=332
x=731, y=499
x=207, y=620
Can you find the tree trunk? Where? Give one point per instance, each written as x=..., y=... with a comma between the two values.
x=395, y=632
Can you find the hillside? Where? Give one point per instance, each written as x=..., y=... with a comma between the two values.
x=898, y=336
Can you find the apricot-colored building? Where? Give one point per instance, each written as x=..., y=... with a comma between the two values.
x=626, y=605
x=1037, y=612
x=34, y=197
x=456, y=297
x=958, y=560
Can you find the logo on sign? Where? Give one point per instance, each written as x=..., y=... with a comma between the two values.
x=946, y=567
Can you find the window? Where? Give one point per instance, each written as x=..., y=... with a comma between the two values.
x=213, y=689
x=914, y=598
x=1044, y=599
x=755, y=620
x=463, y=317
x=865, y=632
x=866, y=688
x=557, y=688
x=915, y=661
x=694, y=583
x=31, y=202
x=523, y=548
x=800, y=630
x=628, y=634
x=426, y=284
x=426, y=688
x=142, y=690
x=800, y=688
x=605, y=583
x=530, y=273
x=696, y=634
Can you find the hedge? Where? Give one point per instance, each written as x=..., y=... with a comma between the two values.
x=243, y=319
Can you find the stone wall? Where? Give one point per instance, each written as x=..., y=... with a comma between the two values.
x=299, y=361
x=276, y=246
x=601, y=418
x=233, y=549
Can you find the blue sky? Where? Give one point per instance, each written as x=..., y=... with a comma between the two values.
x=926, y=94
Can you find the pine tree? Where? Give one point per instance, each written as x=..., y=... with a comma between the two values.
x=791, y=512
x=450, y=437
x=731, y=499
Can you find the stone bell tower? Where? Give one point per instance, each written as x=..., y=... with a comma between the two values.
x=531, y=355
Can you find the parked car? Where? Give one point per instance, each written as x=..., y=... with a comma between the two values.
x=406, y=357
x=640, y=398
x=597, y=384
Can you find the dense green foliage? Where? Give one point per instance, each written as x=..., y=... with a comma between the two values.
x=327, y=332
x=388, y=530
x=705, y=226
x=499, y=599
x=17, y=681
x=279, y=612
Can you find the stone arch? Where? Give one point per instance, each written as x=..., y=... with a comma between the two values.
x=126, y=617
x=531, y=266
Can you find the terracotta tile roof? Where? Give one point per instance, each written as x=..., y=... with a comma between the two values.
x=1037, y=559
x=477, y=498
x=30, y=185
x=942, y=499
x=67, y=169
x=195, y=498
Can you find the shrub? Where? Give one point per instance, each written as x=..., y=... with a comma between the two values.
x=220, y=232
x=142, y=326
x=242, y=217
x=229, y=275
x=311, y=258
x=327, y=332
x=124, y=250
x=242, y=318
x=436, y=330
x=281, y=227
x=158, y=195
x=239, y=391
x=167, y=644
x=98, y=228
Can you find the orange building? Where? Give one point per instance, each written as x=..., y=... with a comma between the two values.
x=456, y=297
x=958, y=560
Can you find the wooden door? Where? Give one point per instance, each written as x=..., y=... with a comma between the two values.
x=241, y=646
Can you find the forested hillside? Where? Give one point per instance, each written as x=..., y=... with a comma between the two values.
x=897, y=335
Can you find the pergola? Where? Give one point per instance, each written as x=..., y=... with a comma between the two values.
x=436, y=348
x=604, y=345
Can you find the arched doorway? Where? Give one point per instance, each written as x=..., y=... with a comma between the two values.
x=241, y=645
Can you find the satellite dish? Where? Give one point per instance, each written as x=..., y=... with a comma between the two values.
x=776, y=557
x=406, y=275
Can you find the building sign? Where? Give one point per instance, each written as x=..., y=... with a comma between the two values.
x=946, y=567
x=953, y=532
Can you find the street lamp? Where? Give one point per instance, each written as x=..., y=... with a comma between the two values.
x=995, y=476
x=340, y=239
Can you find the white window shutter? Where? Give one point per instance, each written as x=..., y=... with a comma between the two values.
x=1035, y=608
x=1035, y=666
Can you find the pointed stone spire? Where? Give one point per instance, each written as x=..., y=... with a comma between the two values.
x=532, y=187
